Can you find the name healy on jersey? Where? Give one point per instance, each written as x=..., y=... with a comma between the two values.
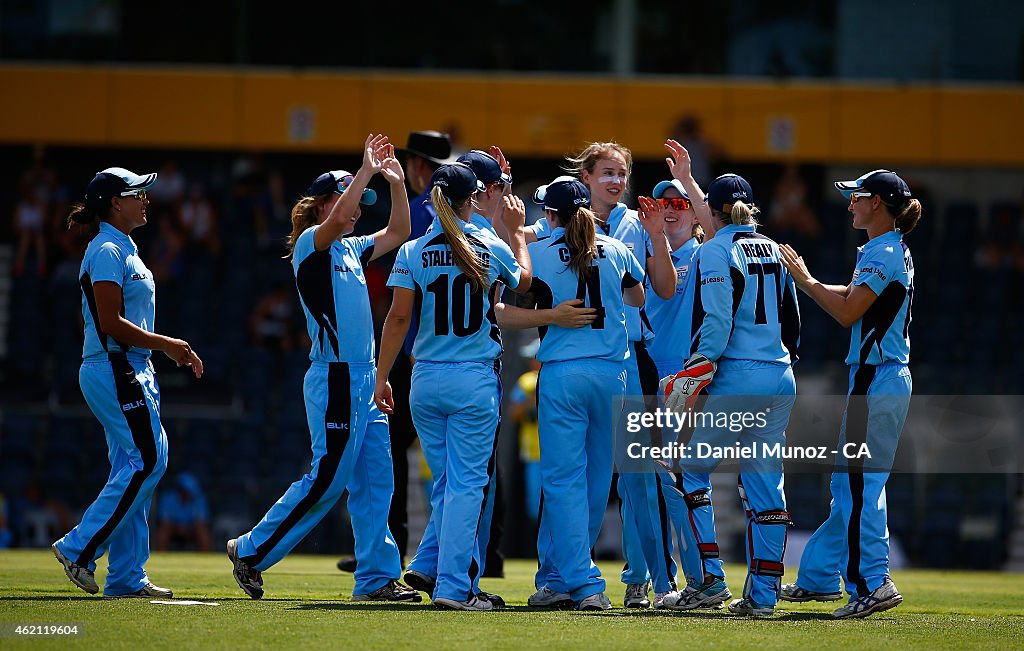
x=445, y=258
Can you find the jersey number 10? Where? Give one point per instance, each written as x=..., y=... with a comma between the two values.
x=450, y=315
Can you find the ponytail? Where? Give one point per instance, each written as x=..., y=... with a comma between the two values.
x=909, y=216
x=304, y=215
x=85, y=213
x=743, y=214
x=580, y=238
x=466, y=259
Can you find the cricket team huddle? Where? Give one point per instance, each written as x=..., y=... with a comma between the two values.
x=681, y=300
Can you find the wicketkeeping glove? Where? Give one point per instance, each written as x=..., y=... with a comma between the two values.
x=680, y=390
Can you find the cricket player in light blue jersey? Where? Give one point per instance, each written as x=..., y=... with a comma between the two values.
x=447, y=277
x=854, y=541
x=120, y=387
x=749, y=333
x=351, y=447
x=582, y=374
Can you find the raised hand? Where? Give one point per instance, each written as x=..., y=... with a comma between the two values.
x=495, y=151
x=679, y=160
x=391, y=169
x=652, y=215
x=513, y=214
x=374, y=152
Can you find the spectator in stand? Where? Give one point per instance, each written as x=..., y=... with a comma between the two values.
x=272, y=321
x=200, y=220
x=30, y=218
x=704, y=154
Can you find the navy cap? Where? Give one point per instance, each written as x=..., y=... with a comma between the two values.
x=564, y=193
x=116, y=182
x=660, y=188
x=486, y=167
x=457, y=181
x=337, y=181
x=727, y=189
x=891, y=188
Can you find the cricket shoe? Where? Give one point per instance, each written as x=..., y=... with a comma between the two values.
x=495, y=600
x=750, y=608
x=636, y=596
x=393, y=591
x=548, y=598
x=476, y=603
x=420, y=581
x=793, y=592
x=882, y=598
x=248, y=579
x=710, y=594
x=145, y=592
x=80, y=576
x=597, y=601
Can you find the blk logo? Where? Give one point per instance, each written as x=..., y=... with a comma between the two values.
x=331, y=425
x=128, y=406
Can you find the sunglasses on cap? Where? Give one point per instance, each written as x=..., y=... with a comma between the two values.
x=135, y=194
x=342, y=184
x=675, y=203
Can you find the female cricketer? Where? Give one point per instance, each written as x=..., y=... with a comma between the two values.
x=854, y=541
x=583, y=372
x=120, y=387
x=747, y=340
x=447, y=277
x=351, y=447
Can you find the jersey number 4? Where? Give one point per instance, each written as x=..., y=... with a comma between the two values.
x=589, y=291
x=450, y=315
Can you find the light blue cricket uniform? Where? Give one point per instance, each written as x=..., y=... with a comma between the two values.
x=427, y=553
x=583, y=372
x=349, y=434
x=750, y=325
x=672, y=321
x=120, y=388
x=854, y=541
x=455, y=396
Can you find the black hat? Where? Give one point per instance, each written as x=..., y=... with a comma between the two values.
x=891, y=188
x=727, y=189
x=435, y=146
x=337, y=181
x=456, y=180
x=486, y=167
x=564, y=193
x=116, y=182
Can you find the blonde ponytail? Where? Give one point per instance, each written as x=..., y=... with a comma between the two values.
x=743, y=214
x=580, y=238
x=466, y=259
x=304, y=215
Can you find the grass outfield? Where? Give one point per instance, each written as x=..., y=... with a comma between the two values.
x=307, y=605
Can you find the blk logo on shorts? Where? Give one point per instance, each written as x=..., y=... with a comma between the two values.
x=128, y=406
x=337, y=425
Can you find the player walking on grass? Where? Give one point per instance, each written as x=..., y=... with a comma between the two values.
x=351, y=447
x=447, y=276
x=750, y=326
x=583, y=372
x=854, y=541
x=120, y=387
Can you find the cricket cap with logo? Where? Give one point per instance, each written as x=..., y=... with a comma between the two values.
x=726, y=190
x=893, y=190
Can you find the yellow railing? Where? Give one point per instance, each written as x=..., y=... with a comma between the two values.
x=527, y=115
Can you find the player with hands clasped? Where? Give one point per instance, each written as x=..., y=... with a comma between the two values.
x=120, y=387
x=351, y=447
x=749, y=330
x=583, y=371
x=854, y=542
x=446, y=276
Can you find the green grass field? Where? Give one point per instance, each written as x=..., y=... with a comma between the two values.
x=307, y=606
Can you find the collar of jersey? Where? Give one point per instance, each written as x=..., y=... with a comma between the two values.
x=119, y=237
x=734, y=228
x=686, y=246
x=467, y=227
x=881, y=240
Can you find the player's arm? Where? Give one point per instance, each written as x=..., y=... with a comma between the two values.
x=399, y=225
x=717, y=279
x=393, y=335
x=513, y=216
x=845, y=306
x=568, y=314
x=374, y=153
x=659, y=263
x=632, y=281
x=109, y=299
x=679, y=165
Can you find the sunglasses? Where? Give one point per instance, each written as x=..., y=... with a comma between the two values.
x=339, y=188
x=135, y=194
x=675, y=203
x=857, y=196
